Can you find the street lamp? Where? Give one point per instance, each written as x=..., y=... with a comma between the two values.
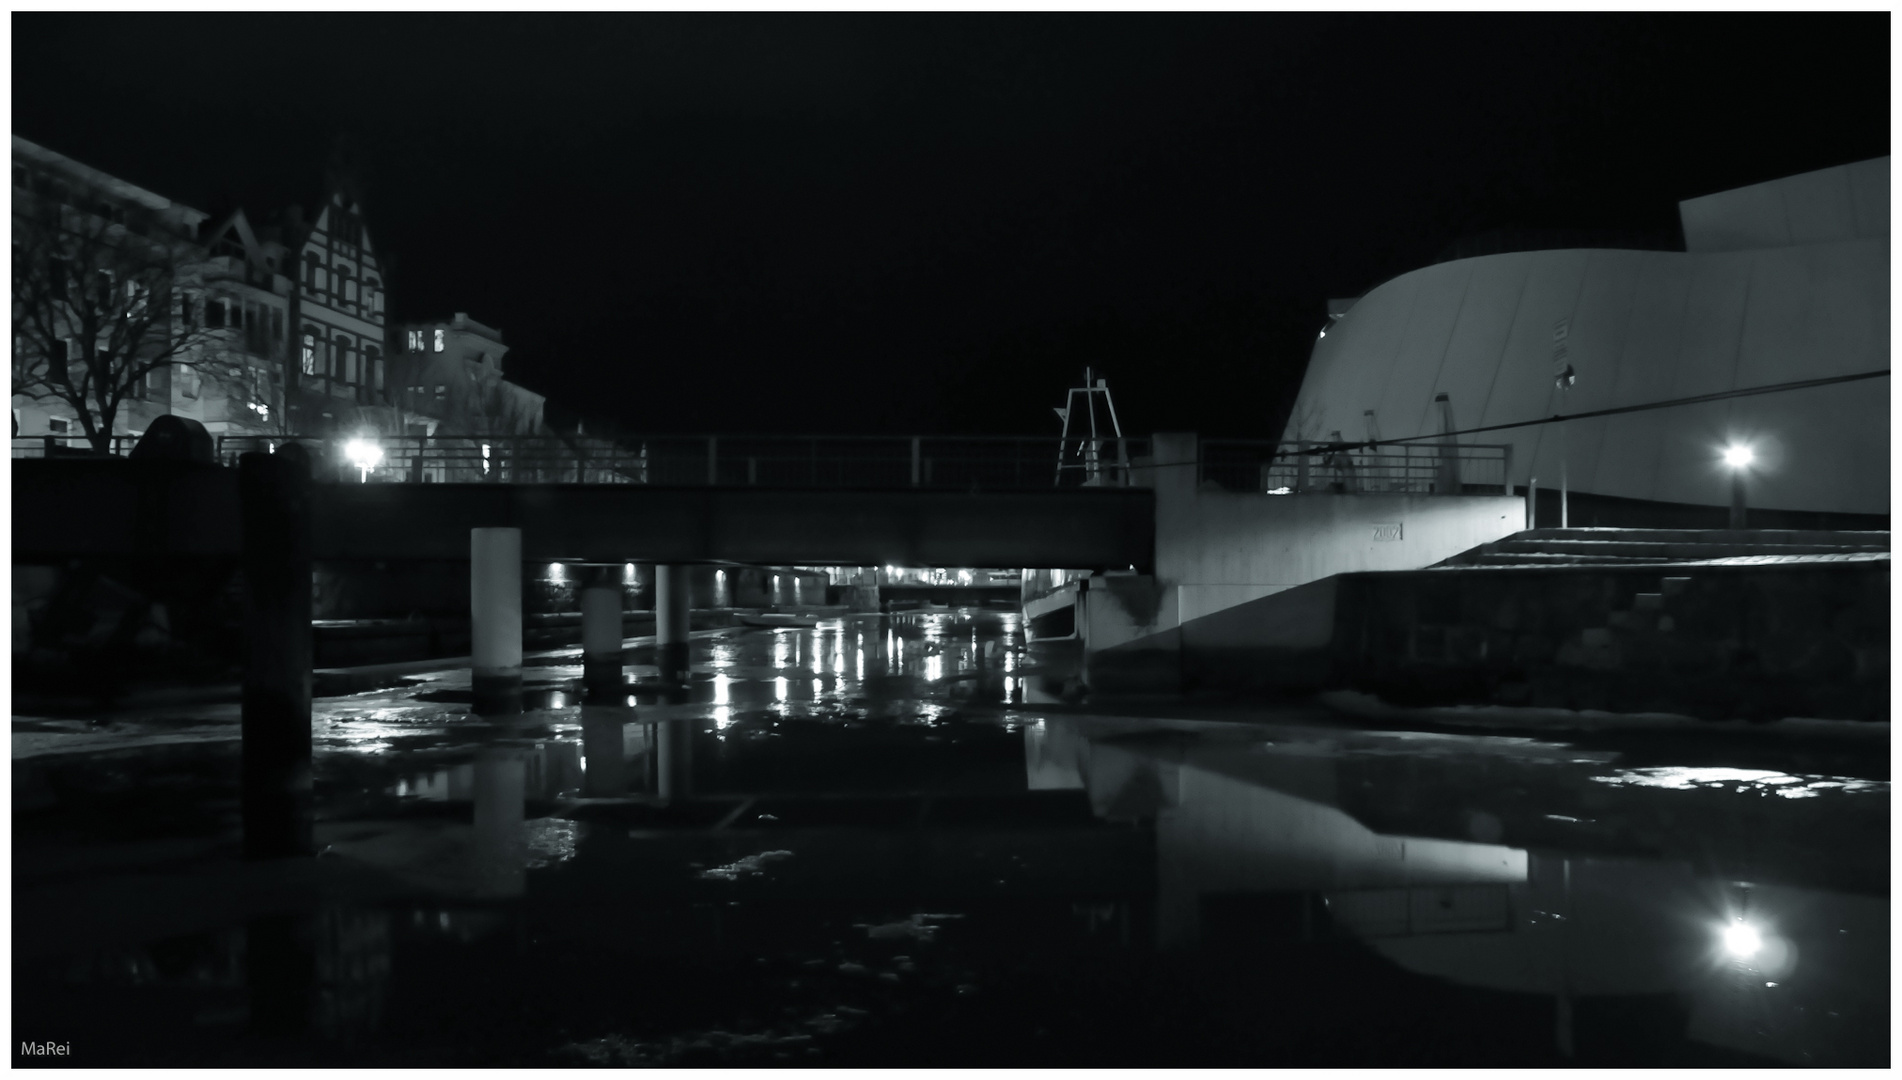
x=1738, y=457
x=1564, y=381
x=365, y=454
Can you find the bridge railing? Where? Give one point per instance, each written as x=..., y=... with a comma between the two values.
x=1290, y=468
x=45, y=446
x=940, y=462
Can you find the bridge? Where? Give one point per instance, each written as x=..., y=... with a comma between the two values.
x=1184, y=522
x=913, y=501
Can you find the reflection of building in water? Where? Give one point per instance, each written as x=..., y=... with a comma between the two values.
x=1250, y=845
x=1237, y=827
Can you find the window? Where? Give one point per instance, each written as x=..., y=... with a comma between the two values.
x=323, y=280
x=214, y=313
x=185, y=312
x=348, y=358
x=310, y=270
x=277, y=325
x=373, y=360
x=439, y=339
x=338, y=352
x=376, y=298
x=58, y=426
x=350, y=289
x=310, y=354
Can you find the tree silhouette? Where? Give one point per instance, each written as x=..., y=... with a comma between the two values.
x=95, y=307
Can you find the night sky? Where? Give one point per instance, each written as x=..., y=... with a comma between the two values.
x=886, y=223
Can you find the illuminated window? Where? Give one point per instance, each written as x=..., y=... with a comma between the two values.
x=310, y=354
x=439, y=339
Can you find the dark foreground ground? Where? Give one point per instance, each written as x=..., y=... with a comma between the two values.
x=857, y=844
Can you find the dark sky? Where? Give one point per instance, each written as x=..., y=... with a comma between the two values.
x=863, y=223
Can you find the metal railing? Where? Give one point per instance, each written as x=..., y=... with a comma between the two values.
x=830, y=461
x=1285, y=468
x=72, y=445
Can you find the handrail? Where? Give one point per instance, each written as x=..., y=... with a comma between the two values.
x=978, y=462
x=1279, y=467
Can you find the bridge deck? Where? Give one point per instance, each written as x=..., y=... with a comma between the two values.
x=106, y=507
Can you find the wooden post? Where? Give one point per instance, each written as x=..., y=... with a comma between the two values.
x=275, y=784
x=672, y=623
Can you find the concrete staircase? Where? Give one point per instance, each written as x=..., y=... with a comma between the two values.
x=1639, y=547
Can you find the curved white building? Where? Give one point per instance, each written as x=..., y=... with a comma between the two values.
x=1781, y=281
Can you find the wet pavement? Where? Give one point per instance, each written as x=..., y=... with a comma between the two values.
x=886, y=841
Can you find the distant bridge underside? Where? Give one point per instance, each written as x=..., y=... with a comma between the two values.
x=68, y=508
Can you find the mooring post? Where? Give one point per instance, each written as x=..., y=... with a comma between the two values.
x=495, y=620
x=672, y=597
x=275, y=785
x=601, y=627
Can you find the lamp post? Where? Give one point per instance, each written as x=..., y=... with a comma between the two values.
x=1565, y=379
x=365, y=454
x=1738, y=457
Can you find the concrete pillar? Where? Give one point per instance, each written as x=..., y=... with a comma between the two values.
x=673, y=759
x=275, y=786
x=495, y=620
x=500, y=850
x=672, y=597
x=604, y=744
x=601, y=627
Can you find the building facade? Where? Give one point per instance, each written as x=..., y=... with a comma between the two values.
x=336, y=369
x=447, y=378
x=1779, y=282
x=288, y=327
x=43, y=178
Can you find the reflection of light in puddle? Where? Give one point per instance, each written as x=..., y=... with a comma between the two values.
x=720, y=685
x=723, y=717
x=782, y=651
x=818, y=688
x=934, y=668
x=1683, y=778
x=779, y=688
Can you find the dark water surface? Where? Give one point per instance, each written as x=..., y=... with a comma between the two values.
x=869, y=843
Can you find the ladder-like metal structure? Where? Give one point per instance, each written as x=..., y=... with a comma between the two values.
x=1083, y=458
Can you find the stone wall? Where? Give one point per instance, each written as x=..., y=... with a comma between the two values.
x=1753, y=642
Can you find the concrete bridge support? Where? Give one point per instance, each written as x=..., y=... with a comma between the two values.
x=495, y=620
x=672, y=597
x=601, y=654
x=275, y=785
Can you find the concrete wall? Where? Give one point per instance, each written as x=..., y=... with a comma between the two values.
x=1726, y=642
x=1218, y=549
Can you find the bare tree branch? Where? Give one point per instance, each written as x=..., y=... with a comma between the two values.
x=94, y=310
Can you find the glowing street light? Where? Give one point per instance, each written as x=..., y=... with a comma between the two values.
x=365, y=454
x=1738, y=457
x=1742, y=939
